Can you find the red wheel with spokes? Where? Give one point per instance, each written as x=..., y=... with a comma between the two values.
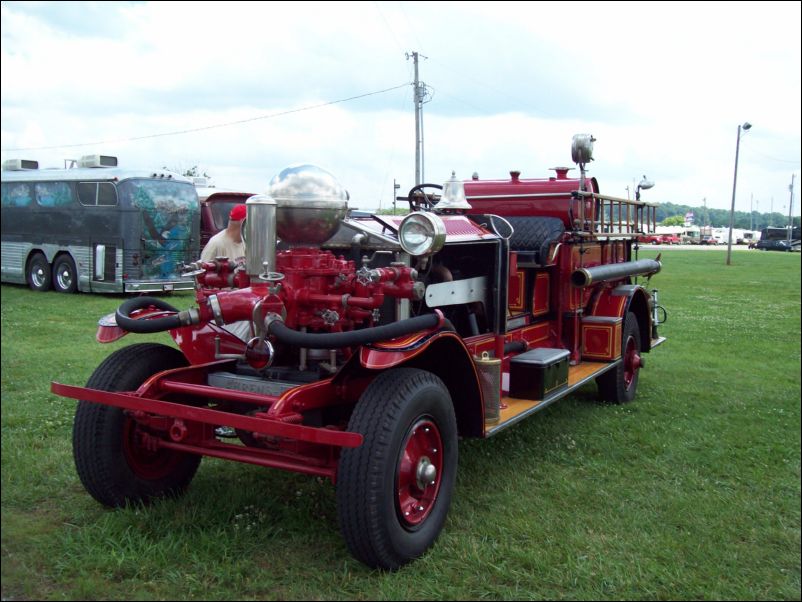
x=420, y=470
x=146, y=463
x=620, y=384
x=394, y=491
x=115, y=457
x=632, y=362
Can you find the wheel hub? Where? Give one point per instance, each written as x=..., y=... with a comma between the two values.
x=632, y=362
x=426, y=473
x=38, y=276
x=64, y=278
x=419, y=474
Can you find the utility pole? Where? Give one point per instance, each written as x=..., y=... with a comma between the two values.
x=419, y=95
x=791, y=209
x=757, y=210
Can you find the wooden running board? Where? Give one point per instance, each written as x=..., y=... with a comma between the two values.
x=518, y=409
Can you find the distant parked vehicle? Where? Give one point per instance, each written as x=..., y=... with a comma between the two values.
x=777, y=239
x=708, y=239
x=778, y=245
x=671, y=239
x=215, y=205
x=651, y=239
x=97, y=227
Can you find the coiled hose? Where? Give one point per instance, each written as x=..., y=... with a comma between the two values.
x=126, y=322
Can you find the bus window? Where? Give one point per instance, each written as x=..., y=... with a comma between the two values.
x=16, y=195
x=53, y=194
x=97, y=193
x=106, y=194
x=87, y=193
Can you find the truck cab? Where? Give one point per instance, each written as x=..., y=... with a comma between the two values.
x=215, y=206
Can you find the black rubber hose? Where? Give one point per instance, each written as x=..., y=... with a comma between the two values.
x=335, y=340
x=515, y=346
x=124, y=320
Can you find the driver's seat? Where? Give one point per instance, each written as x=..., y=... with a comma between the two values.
x=532, y=237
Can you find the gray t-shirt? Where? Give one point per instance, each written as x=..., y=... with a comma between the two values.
x=222, y=245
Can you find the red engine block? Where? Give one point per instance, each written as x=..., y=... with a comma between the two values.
x=317, y=291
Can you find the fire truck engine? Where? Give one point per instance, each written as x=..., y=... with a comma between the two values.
x=375, y=344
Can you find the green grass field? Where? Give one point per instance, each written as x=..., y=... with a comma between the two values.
x=690, y=492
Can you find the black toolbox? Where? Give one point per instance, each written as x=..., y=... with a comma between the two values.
x=538, y=373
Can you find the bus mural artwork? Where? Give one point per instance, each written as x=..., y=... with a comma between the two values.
x=97, y=227
x=167, y=216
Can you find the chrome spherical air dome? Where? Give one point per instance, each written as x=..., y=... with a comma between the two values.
x=311, y=203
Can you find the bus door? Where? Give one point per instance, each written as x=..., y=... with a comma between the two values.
x=104, y=263
x=98, y=225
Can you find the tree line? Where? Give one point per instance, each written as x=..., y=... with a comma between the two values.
x=671, y=214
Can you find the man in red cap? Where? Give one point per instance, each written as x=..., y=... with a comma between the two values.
x=228, y=242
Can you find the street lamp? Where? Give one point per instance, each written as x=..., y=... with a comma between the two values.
x=745, y=127
x=644, y=184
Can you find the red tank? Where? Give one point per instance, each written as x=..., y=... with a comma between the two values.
x=546, y=197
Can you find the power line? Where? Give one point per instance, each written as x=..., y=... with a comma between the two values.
x=790, y=162
x=387, y=24
x=209, y=127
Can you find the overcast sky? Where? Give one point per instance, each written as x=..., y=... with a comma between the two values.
x=661, y=86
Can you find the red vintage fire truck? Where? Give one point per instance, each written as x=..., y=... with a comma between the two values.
x=374, y=344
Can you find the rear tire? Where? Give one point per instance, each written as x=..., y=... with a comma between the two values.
x=394, y=491
x=620, y=384
x=38, y=273
x=113, y=467
x=65, y=276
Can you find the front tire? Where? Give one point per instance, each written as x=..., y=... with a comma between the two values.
x=111, y=463
x=620, y=384
x=394, y=491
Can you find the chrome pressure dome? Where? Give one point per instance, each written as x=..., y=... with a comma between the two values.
x=310, y=202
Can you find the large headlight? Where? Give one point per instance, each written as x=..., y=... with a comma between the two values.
x=422, y=233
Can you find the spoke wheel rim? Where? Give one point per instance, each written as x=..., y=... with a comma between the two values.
x=419, y=473
x=148, y=464
x=632, y=362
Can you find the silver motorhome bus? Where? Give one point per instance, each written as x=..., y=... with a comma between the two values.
x=97, y=228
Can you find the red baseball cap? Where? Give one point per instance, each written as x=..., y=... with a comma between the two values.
x=237, y=213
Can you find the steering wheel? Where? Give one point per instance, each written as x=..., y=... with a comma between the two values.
x=419, y=200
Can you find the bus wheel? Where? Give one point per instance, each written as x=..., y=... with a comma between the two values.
x=38, y=273
x=65, y=277
x=112, y=461
x=393, y=492
x=620, y=384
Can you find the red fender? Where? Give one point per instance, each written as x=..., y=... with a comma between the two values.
x=443, y=354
